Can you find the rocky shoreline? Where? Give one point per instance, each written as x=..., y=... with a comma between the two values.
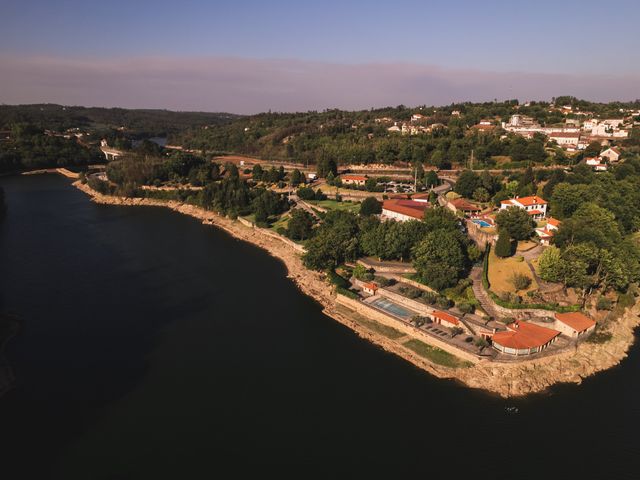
x=505, y=379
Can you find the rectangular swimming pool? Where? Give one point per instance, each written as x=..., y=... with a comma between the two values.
x=392, y=308
x=482, y=223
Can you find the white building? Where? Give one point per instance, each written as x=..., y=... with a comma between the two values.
x=612, y=154
x=533, y=205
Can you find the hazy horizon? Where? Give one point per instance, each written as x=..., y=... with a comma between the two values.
x=249, y=57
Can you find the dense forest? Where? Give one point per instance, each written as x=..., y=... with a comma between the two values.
x=44, y=136
x=29, y=148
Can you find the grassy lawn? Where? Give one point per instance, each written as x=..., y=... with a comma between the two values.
x=283, y=222
x=526, y=245
x=372, y=325
x=333, y=205
x=501, y=270
x=436, y=355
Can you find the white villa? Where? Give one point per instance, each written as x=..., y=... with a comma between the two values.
x=534, y=205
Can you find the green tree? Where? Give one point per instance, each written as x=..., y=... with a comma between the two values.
x=370, y=206
x=296, y=178
x=440, y=218
x=335, y=241
x=467, y=183
x=515, y=222
x=503, y=245
x=440, y=259
x=300, y=225
x=551, y=265
x=481, y=194
x=431, y=179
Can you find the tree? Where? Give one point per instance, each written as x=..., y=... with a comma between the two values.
x=370, y=206
x=296, y=178
x=371, y=184
x=567, y=198
x=590, y=224
x=300, y=225
x=306, y=193
x=551, y=265
x=431, y=179
x=481, y=194
x=593, y=149
x=440, y=259
x=503, y=245
x=516, y=223
x=467, y=183
x=440, y=218
x=335, y=241
x=325, y=166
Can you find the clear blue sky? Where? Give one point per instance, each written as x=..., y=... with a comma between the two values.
x=544, y=36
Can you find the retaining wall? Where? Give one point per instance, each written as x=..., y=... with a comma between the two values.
x=369, y=312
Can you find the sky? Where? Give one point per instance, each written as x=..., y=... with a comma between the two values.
x=248, y=56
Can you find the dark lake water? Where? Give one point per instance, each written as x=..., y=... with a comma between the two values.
x=156, y=347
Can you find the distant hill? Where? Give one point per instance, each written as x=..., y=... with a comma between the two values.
x=143, y=123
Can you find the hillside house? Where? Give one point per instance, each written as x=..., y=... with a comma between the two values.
x=612, y=154
x=534, y=205
x=357, y=180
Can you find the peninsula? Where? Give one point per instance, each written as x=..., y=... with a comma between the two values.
x=492, y=244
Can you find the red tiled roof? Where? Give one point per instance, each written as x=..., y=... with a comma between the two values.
x=462, y=204
x=421, y=195
x=445, y=316
x=553, y=222
x=354, y=177
x=532, y=200
x=523, y=335
x=534, y=212
x=370, y=286
x=576, y=320
x=410, y=208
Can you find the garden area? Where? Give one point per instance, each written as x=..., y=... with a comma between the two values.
x=510, y=275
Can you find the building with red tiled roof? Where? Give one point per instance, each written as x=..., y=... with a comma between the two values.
x=534, y=205
x=546, y=234
x=443, y=318
x=524, y=338
x=349, y=179
x=574, y=324
x=403, y=210
x=421, y=197
x=464, y=206
x=370, y=288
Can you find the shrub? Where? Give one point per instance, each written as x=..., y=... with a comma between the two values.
x=443, y=302
x=603, y=303
x=384, y=281
x=465, y=307
x=520, y=281
x=410, y=292
x=429, y=297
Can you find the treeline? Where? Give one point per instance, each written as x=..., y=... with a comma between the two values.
x=596, y=245
x=29, y=148
x=440, y=252
x=362, y=136
x=320, y=137
x=143, y=122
